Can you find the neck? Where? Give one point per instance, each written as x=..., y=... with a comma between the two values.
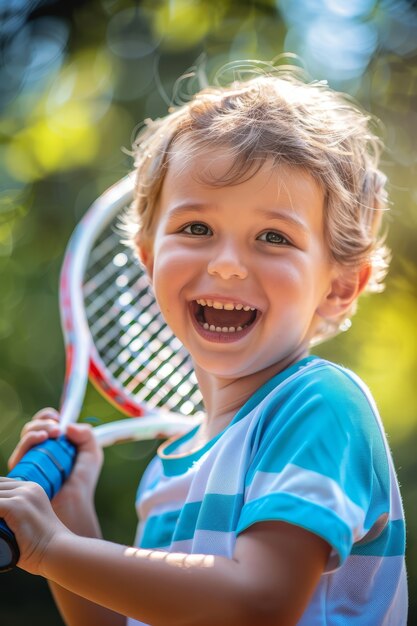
x=223, y=397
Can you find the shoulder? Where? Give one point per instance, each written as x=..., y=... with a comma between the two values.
x=324, y=420
x=320, y=450
x=324, y=379
x=333, y=381
x=323, y=393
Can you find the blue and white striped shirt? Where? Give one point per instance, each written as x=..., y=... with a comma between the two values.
x=308, y=448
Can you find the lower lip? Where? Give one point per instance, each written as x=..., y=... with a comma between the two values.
x=216, y=337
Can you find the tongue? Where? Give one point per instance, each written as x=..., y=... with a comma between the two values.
x=221, y=317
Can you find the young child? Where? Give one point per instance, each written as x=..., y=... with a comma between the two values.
x=258, y=208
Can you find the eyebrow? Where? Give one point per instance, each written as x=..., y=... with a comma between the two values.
x=284, y=217
x=275, y=214
x=180, y=209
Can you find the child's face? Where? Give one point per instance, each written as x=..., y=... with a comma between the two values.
x=259, y=244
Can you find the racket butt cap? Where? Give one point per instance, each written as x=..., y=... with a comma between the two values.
x=9, y=550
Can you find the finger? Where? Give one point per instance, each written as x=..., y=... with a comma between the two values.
x=81, y=435
x=34, y=435
x=28, y=441
x=8, y=484
x=50, y=425
x=47, y=413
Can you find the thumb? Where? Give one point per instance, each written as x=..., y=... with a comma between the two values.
x=82, y=436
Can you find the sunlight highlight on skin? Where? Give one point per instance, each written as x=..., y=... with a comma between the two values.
x=177, y=559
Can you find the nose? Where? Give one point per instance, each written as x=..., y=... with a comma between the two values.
x=227, y=263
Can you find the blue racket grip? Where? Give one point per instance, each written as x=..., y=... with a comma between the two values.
x=49, y=464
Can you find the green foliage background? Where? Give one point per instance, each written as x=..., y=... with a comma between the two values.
x=76, y=80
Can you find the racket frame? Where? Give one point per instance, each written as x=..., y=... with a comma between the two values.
x=82, y=360
x=78, y=343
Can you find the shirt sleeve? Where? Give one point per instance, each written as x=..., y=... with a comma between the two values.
x=319, y=462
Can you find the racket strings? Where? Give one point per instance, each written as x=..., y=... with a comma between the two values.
x=108, y=334
x=137, y=349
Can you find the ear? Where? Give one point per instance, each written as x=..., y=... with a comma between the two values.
x=345, y=288
x=145, y=253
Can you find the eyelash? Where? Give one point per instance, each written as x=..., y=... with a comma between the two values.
x=283, y=240
x=188, y=231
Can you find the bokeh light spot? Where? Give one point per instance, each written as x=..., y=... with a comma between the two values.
x=128, y=35
x=36, y=47
x=351, y=9
x=182, y=23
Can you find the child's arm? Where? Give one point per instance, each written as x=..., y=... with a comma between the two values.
x=81, y=518
x=270, y=580
x=74, y=506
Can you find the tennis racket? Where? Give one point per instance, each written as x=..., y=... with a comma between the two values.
x=116, y=337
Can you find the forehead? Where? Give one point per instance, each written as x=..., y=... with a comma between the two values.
x=215, y=176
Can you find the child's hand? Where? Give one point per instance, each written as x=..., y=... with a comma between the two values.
x=80, y=486
x=27, y=511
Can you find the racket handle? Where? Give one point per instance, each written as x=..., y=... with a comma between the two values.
x=48, y=464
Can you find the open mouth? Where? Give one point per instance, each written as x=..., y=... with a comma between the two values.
x=223, y=317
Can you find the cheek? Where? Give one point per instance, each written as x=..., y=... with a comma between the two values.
x=283, y=276
x=169, y=276
x=170, y=257
x=169, y=270
x=292, y=287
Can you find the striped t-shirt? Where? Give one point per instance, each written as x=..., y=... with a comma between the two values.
x=308, y=448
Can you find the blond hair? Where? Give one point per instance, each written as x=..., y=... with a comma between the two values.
x=282, y=117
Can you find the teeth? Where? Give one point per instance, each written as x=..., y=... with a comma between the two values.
x=228, y=306
x=217, y=329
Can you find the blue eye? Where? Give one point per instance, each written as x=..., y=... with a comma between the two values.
x=272, y=236
x=197, y=229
